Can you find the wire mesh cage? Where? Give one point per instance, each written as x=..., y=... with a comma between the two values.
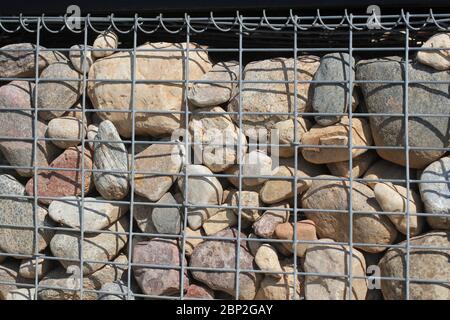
x=225, y=156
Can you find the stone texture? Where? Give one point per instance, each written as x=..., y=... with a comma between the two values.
x=116, y=291
x=283, y=288
x=81, y=58
x=22, y=294
x=167, y=220
x=213, y=93
x=246, y=199
x=265, y=227
x=275, y=190
x=97, y=213
x=436, y=196
x=285, y=135
x=386, y=170
x=266, y=259
x=191, y=243
x=427, y=264
x=158, y=281
x=254, y=163
x=333, y=195
x=332, y=259
x=201, y=191
x=332, y=97
x=16, y=211
x=195, y=291
x=393, y=198
x=111, y=156
x=148, y=96
x=105, y=40
x=28, y=268
x=66, y=128
x=423, y=98
x=360, y=164
x=66, y=283
x=253, y=246
x=224, y=218
x=57, y=183
x=274, y=97
x=18, y=94
x=437, y=59
x=306, y=230
x=222, y=254
x=96, y=246
x=18, y=60
x=9, y=272
x=215, y=131
x=92, y=131
x=58, y=94
x=336, y=135
x=160, y=158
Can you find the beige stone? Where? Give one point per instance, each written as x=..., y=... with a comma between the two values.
x=28, y=268
x=332, y=259
x=148, y=96
x=22, y=294
x=438, y=59
x=215, y=131
x=385, y=170
x=246, y=199
x=223, y=219
x=284, y=131
x=274, y=97
x=81, y=59
x=370, y=227
x=92, y=131
x=66, y=128
x=277, y=190
x=336, y=135
x=105, y=40
x=287, y=287
x=393, y=198
x=360, y=164
x=255, y=163
x=191, y=243
x=158, y=158
x=266, y=259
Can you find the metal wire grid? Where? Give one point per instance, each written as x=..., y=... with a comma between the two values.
x=231, y=27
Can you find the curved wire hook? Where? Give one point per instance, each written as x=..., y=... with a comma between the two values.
x=241, y=22
x=22, y=23
x=7, y=30
x=406, y=20
x=113, y=24
x=47, y=28
x=186, y=18
x=88, y=20
x=435, y=22
x=324, y=24
x=212, y=19
x=139, y=25
x=161, y=21
x=350, y=21
x=271, y=26
x=294, y=21
x=69, y=28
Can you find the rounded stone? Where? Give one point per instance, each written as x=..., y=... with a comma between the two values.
x=266, y=259
x=81, y=58
x=306, y=230
x=66, y=128
x=439, y=59
x=283, y=132
x=105, y=40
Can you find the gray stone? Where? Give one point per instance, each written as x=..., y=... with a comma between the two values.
x=161, y=158
x=96, y=246
x=436, y=195
x=213, y=94
x=386, y=170
x=116, y=291
x=28, y=268
x=97, y=213
x=80, y=58
x=63, y=128
x=425, y=263
x=332, y=98
x=423, y=98
x=274, y=97
x=332, y=259
x=111, y=156
x=58, y=94
x=65, y=284
x=16, y=211
x=201, y=191
x=158, y=281
x=222, y=254
x=17, y=94
x=165, y=219
x=370, y=228
x=18, y=60
x=9, y=272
